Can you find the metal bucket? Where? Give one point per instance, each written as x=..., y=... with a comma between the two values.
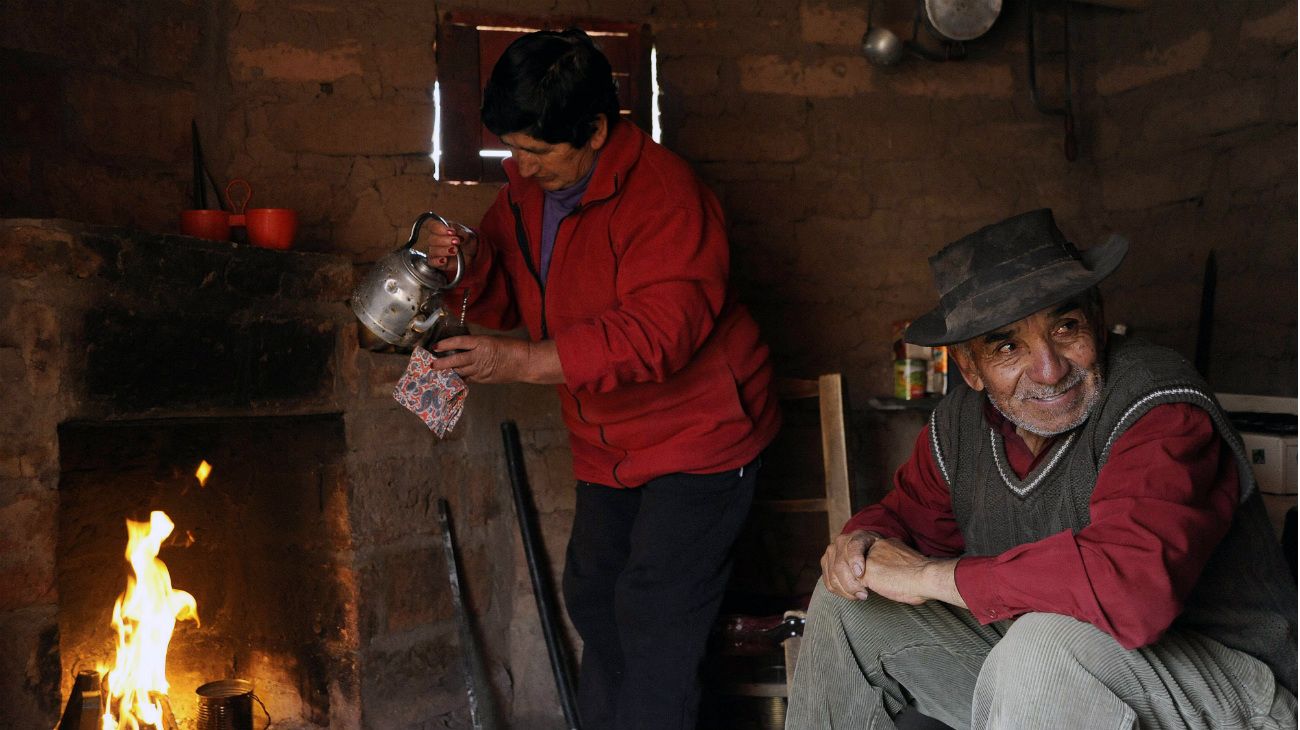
x=226, y=704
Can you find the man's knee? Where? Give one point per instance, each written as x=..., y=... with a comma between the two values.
x=825, y=605
x=1040, y=649
x=1053, y=671
x=872, y=627
x=840, y=615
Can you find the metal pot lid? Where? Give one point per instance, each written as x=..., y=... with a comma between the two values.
x=962, y=20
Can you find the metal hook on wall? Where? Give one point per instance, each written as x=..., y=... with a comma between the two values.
x=1066, y=109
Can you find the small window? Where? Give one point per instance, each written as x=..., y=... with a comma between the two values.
x=469, y=45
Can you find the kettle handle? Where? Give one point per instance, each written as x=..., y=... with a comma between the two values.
x=415, y=236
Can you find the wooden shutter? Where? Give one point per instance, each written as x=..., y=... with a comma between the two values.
x=469, y=46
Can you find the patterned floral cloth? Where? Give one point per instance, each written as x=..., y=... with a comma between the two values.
x=436, y=396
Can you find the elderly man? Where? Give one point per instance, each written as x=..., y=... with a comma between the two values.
x=1076, y=540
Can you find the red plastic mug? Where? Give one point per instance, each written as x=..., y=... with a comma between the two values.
x=271, y=227
x=213, y=225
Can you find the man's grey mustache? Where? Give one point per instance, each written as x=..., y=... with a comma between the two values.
x=1027, y=390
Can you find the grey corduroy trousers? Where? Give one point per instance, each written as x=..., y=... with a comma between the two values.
x=861, y=662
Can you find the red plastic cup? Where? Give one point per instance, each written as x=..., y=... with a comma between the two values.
x=213, y=225
x=271, y=227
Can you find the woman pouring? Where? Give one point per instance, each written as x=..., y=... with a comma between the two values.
x=614, y=257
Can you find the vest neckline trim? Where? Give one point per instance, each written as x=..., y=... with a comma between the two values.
x=1022, y=487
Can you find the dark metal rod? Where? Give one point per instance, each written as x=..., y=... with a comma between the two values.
x=1032, y=54
x=1205, y=322
x=202, y=175
x=542, y=592
x=199, y=201
x=476, y=684
x=216, y=191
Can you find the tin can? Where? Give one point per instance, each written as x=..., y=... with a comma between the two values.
x=909, y=378
x=937, y=371
x=226, y=704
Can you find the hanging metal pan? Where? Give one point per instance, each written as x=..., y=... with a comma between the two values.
x=962, y=20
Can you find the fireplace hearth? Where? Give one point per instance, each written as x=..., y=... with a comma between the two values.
x=126, y=358
x=260, y=546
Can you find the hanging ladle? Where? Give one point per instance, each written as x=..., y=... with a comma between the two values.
x=883, y=47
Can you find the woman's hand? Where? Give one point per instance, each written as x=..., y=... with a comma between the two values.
x=496, y=359
x=444, y=242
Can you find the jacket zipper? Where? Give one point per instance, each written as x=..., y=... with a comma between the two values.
x=521, y=238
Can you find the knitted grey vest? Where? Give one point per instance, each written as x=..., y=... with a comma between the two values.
x=1245, y=597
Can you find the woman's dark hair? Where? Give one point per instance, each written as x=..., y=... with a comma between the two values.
x=551, y=85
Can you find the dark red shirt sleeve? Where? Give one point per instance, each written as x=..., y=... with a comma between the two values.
x=918, y=510
x=1162, y=503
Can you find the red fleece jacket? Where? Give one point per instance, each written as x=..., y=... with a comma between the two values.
x=664, y=370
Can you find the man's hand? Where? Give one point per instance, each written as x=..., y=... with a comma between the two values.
x=492, y=359
x=844, y=563
x=902, y=574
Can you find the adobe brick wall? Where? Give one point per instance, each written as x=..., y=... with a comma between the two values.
x=839, y=179
x=97, y=103
x=1185, y=116
x=1192, y=132
x=390, y=636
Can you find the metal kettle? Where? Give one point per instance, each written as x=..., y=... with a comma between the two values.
x=400, y=298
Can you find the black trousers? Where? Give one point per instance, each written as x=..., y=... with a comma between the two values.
x=643, y=579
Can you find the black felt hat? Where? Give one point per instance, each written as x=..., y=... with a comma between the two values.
x=1005, y=272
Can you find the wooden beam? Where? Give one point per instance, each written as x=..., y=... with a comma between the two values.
x=835, y=453
x=1119, y=4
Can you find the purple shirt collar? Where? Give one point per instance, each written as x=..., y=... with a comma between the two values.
x=555, y=206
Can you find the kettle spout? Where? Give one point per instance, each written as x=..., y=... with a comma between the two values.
x=424, y=324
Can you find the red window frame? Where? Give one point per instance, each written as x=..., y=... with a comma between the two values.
x=469, y=45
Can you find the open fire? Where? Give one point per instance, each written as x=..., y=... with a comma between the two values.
x=144, y=616
x=291, y=596
x=274, y=486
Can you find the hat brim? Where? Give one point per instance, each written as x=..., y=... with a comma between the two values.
x=1014, y=300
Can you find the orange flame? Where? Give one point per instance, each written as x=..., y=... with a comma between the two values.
x=203, y=471
x=144, y=617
